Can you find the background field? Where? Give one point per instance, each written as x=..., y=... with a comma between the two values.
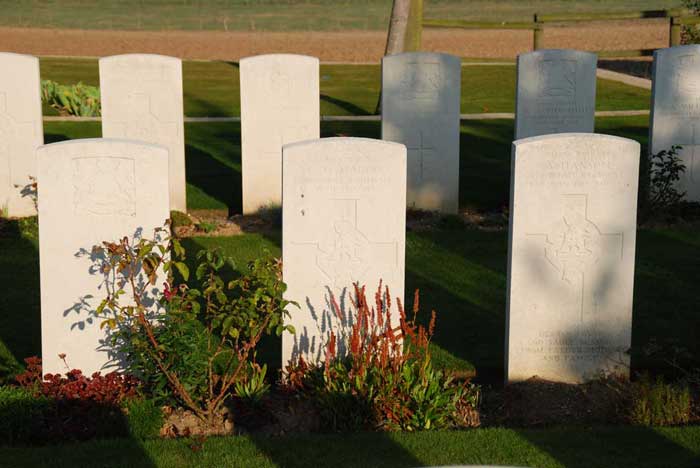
x=278, y=15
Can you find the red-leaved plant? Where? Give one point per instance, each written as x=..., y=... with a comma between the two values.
x=112, y=388
x=386, y=379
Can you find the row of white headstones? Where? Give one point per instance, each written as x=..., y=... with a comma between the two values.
x=571, y=265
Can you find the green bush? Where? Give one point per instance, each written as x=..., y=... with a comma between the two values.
x=144, y=418
x=78, y=100
x=194, y=349
x=656, y=403
x=665, y=170
x=20, y=414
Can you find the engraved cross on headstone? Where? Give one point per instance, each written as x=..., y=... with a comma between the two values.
x=146, y=125
x=574, y=244
x=425, y=150
x=343, y=252
x=691, y=144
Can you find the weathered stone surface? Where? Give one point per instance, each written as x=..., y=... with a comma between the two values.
x=555, y=92
x=90, y=191
x=420, y=108
x=279, y=105
x=675, y=110
x=344, y=216
x=21, y=132
x=142, y=100
x=571, y=256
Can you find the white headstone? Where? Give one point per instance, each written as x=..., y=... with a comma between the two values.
x=571, y=256
x=21, y=132
x=555, y=92
x=675, y=110
x=279, y=105
x=90, y=191
x=344, y=216
x=142, y=100
x=420, y=108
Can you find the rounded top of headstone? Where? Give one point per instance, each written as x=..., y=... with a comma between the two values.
x=407, y=56
x=559, y=53
x=149, y=57
x=574, y=138
x=678, y=50
x=13, y=57
x=278, y=58
x=95, y=144
x=344, y=141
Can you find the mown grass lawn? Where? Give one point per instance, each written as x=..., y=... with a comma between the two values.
x=622, y=447
x=211, y=89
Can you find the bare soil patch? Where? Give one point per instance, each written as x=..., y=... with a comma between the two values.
x=345, y=46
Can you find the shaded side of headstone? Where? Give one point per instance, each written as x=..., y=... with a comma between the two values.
x=21, y=132
x=90, y=191
x=142, y=100
x=344, y=217
x=420, y=109
x=555, y=92
x=279, y=105
x=571, y=256
x=675, y=111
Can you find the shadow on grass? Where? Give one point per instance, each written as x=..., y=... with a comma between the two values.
x=214, y=178
x=20, y=321
x=349, y=107
x=375, y=449
x=611, y=446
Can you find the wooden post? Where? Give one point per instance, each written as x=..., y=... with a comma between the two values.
x=537, y=34
x=414, y=28
x=674, y=38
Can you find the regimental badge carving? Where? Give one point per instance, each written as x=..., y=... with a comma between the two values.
x=687, y=75
x=574, y=245
x=104, y=186
x=556, y=80
x=279, y=82
x=421, y=82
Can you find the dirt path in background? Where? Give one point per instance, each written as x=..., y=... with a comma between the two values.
x=350, y=46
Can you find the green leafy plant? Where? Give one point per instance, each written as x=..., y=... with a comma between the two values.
x=665, y=170
x=79, y=100
x=690, y=32
x=252, y=389
x=387, y=380
x=200, y=342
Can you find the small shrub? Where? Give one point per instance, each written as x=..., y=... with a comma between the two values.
x=144, y=418
x=665, y=170
x=78, y=100
x=656, y=403
x=387, y=380
x=199, y=344
x=20, y=414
